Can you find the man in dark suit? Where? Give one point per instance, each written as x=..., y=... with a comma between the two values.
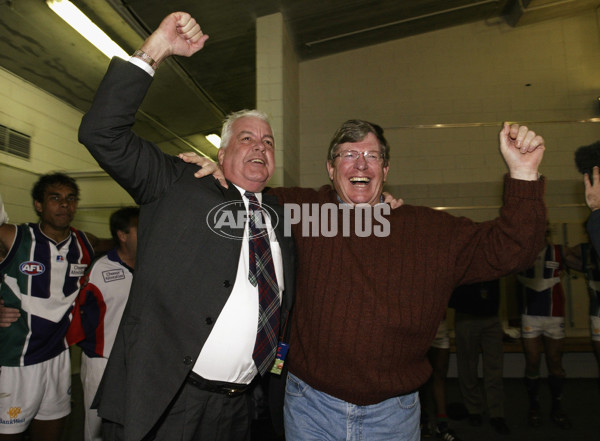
x=182, y=362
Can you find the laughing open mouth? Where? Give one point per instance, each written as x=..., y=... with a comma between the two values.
x=257, y=161
x=362, y=180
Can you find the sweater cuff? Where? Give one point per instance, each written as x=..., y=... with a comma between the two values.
x=524, y=189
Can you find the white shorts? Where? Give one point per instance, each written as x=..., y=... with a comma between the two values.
x=533, y=326
x=91, y=374
x=595, y=327
x=41, y=391
x=442, y=338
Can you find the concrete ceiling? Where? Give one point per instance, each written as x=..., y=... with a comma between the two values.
x=191, y=95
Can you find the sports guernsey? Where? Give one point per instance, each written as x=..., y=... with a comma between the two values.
x=100, y=305
x=41, y=278
x=542, y=289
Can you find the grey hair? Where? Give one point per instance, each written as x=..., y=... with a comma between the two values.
x=355, y=130
x=226, y=130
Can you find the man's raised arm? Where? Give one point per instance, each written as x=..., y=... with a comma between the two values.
x=522, y=150
x=177, y=34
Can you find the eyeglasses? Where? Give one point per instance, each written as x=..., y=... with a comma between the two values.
x=353, y=155
x=59, y=199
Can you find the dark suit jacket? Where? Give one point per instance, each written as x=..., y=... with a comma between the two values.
x=593, y=229
x=184, y=271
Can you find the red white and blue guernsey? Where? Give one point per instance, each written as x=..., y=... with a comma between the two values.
x=100, y=305
x=542, y=288
x=42, y=279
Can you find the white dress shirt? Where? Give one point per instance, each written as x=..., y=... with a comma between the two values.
x=227, y=353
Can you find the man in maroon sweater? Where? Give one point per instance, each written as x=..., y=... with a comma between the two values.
x=368, y=306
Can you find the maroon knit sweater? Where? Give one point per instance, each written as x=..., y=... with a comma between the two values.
x=367, y=308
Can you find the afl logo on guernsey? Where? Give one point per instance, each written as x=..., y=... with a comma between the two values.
x=32, y=268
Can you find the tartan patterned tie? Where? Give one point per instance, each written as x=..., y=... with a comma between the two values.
x=262, y=273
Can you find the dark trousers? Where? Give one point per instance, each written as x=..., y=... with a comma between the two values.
x=197, y=415
x=480, y=335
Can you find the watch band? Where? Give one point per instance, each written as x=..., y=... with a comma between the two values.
x=146, y=58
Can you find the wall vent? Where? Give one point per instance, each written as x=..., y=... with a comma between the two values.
x=15, y=143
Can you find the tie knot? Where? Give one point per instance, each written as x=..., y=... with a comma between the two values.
x=252, y=197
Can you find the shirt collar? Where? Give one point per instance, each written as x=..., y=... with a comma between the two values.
x=245, y=199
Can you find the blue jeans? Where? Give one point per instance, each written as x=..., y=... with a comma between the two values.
x=311, y=415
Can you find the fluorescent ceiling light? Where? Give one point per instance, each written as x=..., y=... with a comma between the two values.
x=214, y=140
x=92, y=33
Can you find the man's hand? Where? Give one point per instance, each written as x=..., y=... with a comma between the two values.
x=177, y=34
x=207, y=167
x=389, y=199
x=592, y=191
x=8, y=315
x=522, y=150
